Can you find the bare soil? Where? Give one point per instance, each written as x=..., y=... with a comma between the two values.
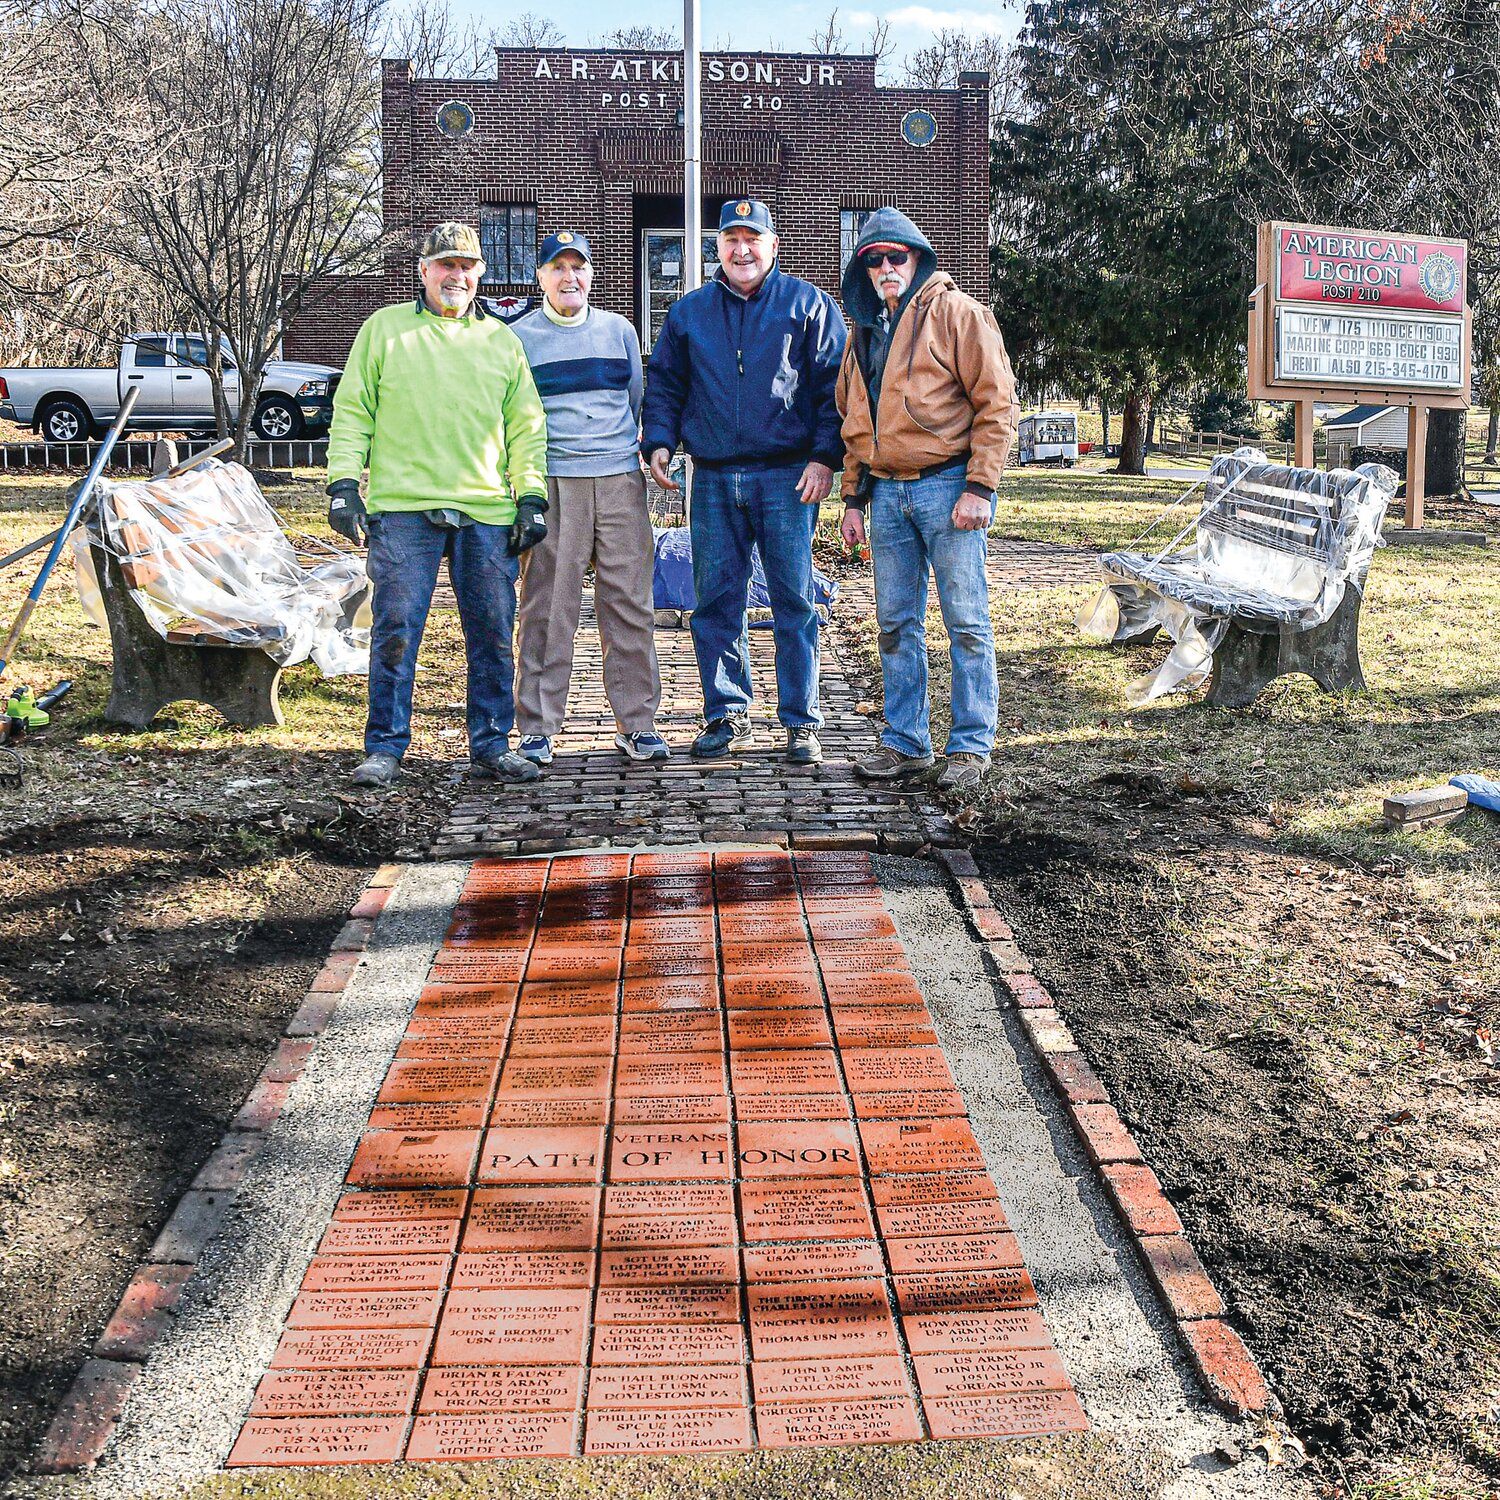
x=1326, y=1128
x=146, y=969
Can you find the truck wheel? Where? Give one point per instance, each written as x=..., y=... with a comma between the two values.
x=65, y=421
x=277, y=420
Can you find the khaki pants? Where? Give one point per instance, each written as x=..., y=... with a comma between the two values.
x=605, y=520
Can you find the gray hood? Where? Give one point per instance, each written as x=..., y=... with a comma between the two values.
x=885, y=224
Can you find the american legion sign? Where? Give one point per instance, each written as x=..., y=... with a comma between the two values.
x=592, y=140
x=1360, y=316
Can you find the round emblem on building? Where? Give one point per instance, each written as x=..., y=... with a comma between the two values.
x=1439, y=276
x=918, y=128
x=455, y=120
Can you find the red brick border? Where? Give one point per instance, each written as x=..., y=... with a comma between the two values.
x=1216, y=1351
x=89, y=1412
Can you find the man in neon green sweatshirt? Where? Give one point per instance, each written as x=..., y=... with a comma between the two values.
x=437, y=398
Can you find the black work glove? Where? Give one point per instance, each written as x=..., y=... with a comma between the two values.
x=346, y=511
x=528, y=528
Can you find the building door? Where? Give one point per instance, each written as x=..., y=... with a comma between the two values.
x=663, y=278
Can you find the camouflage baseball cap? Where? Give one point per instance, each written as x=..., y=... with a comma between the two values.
x=452, y=239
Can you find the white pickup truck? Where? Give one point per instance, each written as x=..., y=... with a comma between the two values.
x=70, y=406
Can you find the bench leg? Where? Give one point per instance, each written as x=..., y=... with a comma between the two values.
x=148, y=673
x=1247, y=661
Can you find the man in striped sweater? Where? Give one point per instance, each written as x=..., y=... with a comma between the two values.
x=587, y=368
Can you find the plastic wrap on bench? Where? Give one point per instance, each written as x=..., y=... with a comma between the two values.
x=206, y=561
x=1273, y=549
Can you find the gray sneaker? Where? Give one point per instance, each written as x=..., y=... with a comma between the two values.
x=887, y=764
x=508, y=766
x=962, y=772
x=376, y=770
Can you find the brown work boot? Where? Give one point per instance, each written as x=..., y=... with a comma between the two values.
x=963, y=772
x=887, y=764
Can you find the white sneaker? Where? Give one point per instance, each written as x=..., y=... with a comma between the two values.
x=644, y=744
x=537, y=748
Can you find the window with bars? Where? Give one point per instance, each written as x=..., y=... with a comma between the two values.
x=507, y=235
x=851, y=221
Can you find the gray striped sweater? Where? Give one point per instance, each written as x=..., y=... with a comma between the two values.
x=590, y=382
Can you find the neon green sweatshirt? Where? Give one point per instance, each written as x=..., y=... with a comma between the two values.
x=445, y=413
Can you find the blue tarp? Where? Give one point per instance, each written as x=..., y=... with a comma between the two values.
x=672, y=580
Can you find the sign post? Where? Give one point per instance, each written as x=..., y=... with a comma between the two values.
x=1352, y=315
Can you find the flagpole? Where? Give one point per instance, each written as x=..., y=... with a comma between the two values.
x=692, y=186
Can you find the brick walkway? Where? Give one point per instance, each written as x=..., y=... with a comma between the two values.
x=668, y=1160
x=591, y=795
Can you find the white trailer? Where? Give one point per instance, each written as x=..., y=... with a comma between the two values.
x=1049, y=437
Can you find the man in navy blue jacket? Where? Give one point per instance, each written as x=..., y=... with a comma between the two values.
x=743, y=376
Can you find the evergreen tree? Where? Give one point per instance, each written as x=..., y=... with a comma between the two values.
x=1123, y=263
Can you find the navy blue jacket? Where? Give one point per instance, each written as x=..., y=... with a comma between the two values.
x=748, y=382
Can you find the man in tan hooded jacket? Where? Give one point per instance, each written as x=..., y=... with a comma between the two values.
x=929, y=408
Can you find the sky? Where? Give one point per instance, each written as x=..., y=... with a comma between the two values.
x=780, y=25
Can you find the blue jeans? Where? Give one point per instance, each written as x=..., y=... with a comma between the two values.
x=405, y=550
x=733, y=509
x=911, y=529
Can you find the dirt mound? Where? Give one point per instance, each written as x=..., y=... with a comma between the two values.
x=1370, y=1337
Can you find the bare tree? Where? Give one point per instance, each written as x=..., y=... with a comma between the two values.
x=641, y=39
x=267, y=179
x=937, y=66
x=531, y=30
x=438, y=44
x=829, y=39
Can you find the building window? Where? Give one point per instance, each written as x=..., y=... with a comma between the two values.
x=851, y=221
x=507, y=235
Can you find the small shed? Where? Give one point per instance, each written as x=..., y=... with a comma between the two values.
x=1364, y=427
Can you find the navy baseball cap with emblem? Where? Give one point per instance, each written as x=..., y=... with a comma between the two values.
x=564, y=239
x=746, y=213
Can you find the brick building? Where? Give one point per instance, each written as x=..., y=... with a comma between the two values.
x=591, y=140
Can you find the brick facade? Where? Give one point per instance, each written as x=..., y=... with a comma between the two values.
x=811, y=135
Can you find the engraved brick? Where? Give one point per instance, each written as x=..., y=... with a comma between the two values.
x=994, y=1328
x=893, y=1146
x=495, y=1388
x=533, y=1218
x=801, y=1209
x=486, y=1435
x=402, y=1207
x=820, y=1148
x=872, y=1068
x=351, y=1349
x=371, y=1273
x=679, y=1266
x=399, y=1158
x=694, y=1343
x=820, y=1319
x=973, y=1372
x=868, y=1421
x=1005, y=1414
x=381, y=1309
x=668, y=1304
x=492, y=1326
x=820, y=1261
x=542, y=1154
x=657, y=1387
x=535, y=1268
x=955, y=1291
x=288, y=1441
x=416, y=1237
x=955, y=1252
x=687, y=1431
x=335, y=1393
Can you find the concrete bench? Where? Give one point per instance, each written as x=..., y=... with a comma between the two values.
x=1268, y=580
x=206, y=599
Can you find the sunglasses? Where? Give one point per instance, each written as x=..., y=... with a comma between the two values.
x=873, y=258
